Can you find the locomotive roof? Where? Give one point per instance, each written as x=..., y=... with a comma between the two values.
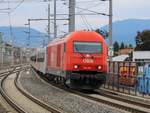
x=72, y=35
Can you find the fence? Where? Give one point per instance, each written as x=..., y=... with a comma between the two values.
x=11, y=56
x=129, y=77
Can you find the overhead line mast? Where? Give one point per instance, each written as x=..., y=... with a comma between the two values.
x=55, y=24
x=72, y=15
x=49, y=35
x=110, y=30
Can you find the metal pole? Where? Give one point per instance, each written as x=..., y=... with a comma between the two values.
x=2, y=51
x=43, y=43
x=49, y=23
x=12, y=38
x=71, y=15
x=11, y=35
x=1, y=38
x=20, y=56
x=55, y=25
x=13, y=57
x=29, y=33
x=110, y=28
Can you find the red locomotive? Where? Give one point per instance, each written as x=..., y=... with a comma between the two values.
x=79, y=60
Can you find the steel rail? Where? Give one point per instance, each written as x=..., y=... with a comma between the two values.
x=107, y=102
x=19, y=109
x=8, y=71
x=4, y=74
x=52, y=109
x=7, y=98
x=117, y=105
x=111, y=95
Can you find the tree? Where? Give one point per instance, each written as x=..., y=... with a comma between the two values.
x=122, y=46
x=116, y=46
x=126, y=46
x=130, y=46
x=143, y=41
x=138, y=38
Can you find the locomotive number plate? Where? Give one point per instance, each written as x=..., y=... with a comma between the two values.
x=88, y=60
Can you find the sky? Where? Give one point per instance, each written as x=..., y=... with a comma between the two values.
x=32, y=9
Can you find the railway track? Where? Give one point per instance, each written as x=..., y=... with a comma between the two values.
x=30, y=104
x=118, y=102
x=3, y=93
x=124, y=99
x=110, y=99
x=7, y=71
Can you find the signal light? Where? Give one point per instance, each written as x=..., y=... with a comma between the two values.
x=75, y=66
x=99, y=67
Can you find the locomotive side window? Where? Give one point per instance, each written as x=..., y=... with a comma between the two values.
x=64, y=47
x=88, y=47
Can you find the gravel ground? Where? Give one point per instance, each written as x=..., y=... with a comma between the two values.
x=2, y=109
x=67, y=101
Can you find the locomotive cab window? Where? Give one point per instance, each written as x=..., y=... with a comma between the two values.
x=88, y=47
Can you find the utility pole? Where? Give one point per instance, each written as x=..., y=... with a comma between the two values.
x=12, y=39
x=2, y=47
x=71, y=15
x=49, y=35
x=110, y=30
x=1, y=38
x=21, y=56
x=29, y=33
x=55, y=24
x=43, y=43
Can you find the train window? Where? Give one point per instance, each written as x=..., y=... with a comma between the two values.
x=64, y=47
x=40, y=57
x=88, y=47
x=33, y=58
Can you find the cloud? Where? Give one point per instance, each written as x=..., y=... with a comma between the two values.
x=122, y=9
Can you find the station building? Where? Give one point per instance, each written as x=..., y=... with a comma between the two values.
x=141, y=56
x=120, y=58
x=125, y=51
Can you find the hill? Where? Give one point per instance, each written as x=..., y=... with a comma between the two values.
x=20, y=35
x=125, y=30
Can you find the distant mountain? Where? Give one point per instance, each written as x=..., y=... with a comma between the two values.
x=20, y=35
x=125, y=30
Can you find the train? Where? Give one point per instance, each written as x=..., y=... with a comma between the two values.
x=78, y=60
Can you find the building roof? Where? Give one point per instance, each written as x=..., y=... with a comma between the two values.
x=120, y=58
x=141, y=54
x=125, y=51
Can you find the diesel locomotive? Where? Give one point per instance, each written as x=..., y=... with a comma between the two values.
x=79, y=60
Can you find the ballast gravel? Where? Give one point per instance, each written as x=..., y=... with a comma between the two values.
x=2, y=109
x=68, y=102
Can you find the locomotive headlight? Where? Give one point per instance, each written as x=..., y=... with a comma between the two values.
x=76, y=66
x=99, y=67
